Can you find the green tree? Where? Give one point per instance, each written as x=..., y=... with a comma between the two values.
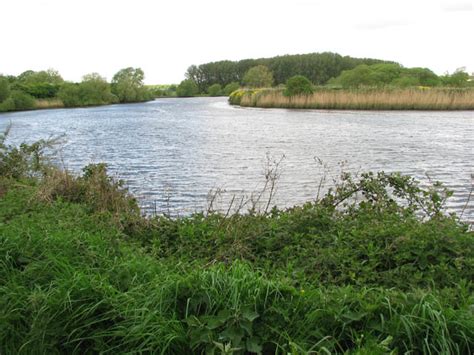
x=298, y=85
x=95, y=90
x=231, y=87
x=458, y=79
x=187, y=88
x=127, y=85
x=215, y=90
x=22, y=100
x=4, y=88
x=258, y=76
x=69, y=94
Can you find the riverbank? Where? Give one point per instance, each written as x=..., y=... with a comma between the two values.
x=84, y=271
x=368, y=99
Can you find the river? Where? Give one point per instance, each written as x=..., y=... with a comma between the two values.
x=172, y=152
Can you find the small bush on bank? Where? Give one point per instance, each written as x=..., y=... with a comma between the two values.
x=298, y=85
x=230, y=88
x=215, y=90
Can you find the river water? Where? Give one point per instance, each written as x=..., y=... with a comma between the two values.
x=172, y=152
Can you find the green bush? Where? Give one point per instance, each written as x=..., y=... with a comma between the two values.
x=7, y=105
x=298, y=85
x=22, y=100
x=230, y=88
x=215, y=90
x=258, y=77
x=4, y=89
x=187, y=88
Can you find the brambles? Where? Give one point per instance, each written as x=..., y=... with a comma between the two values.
x=83, y=272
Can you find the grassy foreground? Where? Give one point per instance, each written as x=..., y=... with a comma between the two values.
x=360, y=99
x=83, y=272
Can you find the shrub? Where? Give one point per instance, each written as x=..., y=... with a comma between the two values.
x=4, y=89
x=230, y=88
x=298, y=85
x=187, y=88
x=22, y=100
x=215, y=90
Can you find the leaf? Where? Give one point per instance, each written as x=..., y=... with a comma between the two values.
x=249, y=314
x=253, y=345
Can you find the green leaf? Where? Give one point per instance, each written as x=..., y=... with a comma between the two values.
x=253, y=345
x=249, y=314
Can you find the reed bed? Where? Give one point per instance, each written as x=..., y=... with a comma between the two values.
x=48, y=103
x=409, y=99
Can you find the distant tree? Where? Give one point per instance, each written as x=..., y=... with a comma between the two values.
x=95, y=90
x=458, y=79
x=359, y=76
x=187, y=88
x=127, y=85
x=298, y=85
x=69, y=94
x=424, y=76
x=215, y=90
x=22, y=100
x=4, y=88
x=258, y=76
x=49, y=76
x=231, y=87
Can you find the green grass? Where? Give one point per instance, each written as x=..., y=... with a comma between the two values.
x=83, y=273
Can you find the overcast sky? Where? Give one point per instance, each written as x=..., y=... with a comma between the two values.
x=165, y=37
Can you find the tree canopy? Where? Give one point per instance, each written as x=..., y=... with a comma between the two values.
x=258, y=77
x=127, y=85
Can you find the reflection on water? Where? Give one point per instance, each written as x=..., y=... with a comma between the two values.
x=171, y=152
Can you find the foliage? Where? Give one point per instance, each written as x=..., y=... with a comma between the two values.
x=458, y=79
x=95, y=90
x=83, y=272
x=380, y=75
x=231, y=87
x=22, y=100
x=4, y=89
x=187, y=88
x=298, y=85
x=317, y=67
x=258, y=77
x=69, y=94
x=127, y=85
x=215, y=90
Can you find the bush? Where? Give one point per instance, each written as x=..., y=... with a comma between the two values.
x=230, y=88
x=215, y=90
x=7, y=105
x=69, y=94
x=187, y=88
x=298, y=85
x=4, y=89
x=22, y=100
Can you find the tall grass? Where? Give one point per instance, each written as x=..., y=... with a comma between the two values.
x=81, y=272
x=370, y=99
x=48, y=103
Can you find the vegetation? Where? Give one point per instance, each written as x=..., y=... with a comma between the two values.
x=317, y=67
x=163, y=90
x=258, y=77
x=47, y=89
x=360, y=99
x=83, y=272
x=215, y=90
x=298, y=85
x=187, y=88
x=231, y=87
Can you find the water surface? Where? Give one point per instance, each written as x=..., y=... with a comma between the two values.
x=172, y=152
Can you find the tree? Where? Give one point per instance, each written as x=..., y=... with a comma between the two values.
x=127, y=85
x=298, y=85
x=258, y=76
x=187, y=88
x=215, y=90
x=22, y=100
x=231, y=87
x=4, y=88
x=458, y=79
x=95, y=90
x=69, y=94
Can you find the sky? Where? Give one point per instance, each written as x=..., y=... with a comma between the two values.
x=164, y=38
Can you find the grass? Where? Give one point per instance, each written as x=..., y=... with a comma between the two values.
x=48, y=103
x=83, y=272
x=368, y=99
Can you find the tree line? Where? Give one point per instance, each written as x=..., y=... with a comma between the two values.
x=26, y=90
x=317, y=67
